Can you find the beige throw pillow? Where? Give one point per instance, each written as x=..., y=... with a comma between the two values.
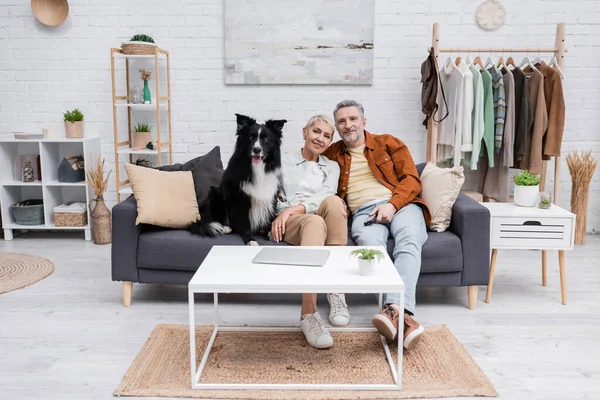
x=166, y=199
x=440, y=188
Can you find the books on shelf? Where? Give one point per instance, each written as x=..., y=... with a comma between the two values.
x=24, y=135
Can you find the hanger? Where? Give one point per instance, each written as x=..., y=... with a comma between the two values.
x=538, y=59
x=527, y=61
x=468, y=60
x=510, y=61
x=554, y=63
x=490, y=61
x=477, y=61
x=501, y=62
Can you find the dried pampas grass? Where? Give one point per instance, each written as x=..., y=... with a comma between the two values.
x=582, y=169
x=95, y=176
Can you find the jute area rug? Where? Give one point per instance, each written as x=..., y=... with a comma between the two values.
x=20, y=270
x=438, y=367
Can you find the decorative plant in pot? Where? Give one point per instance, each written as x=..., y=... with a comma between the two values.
x=142, y=135
x=367, y=258
x=527, y=189
x=139, y=44
x=73, y=123
x=100, y=214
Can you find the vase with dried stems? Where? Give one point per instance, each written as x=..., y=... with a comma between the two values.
x=581, y=167
x=100, y=214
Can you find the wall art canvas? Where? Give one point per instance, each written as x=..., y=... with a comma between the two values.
x=299, y=42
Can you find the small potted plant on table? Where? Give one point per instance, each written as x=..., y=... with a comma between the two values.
x=73, y=123
x=527, y=189
x=367, y=258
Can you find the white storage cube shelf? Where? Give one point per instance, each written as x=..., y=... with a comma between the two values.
x=49, y=189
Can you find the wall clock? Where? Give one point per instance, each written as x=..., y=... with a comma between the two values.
x=490, y=15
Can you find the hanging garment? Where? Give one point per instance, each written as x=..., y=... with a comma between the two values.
x=523, y=117
x=555, y=106
x=450, y=129
x=499, y=106
x=493, y=182
x=488, y=117
x=429, y=90
x=467, y=108
x=535, y=135
x=477, y=122
x=508, y=138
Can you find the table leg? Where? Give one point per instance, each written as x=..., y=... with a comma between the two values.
x=543, y=267
x=563, y=283
x=488, y=294
x=192, y=338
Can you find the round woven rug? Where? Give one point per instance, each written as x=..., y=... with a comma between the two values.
x=20, y=270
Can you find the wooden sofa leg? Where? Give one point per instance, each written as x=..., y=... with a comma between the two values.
x=127, y=288
x=473, y=297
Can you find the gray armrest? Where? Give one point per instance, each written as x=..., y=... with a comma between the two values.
x=471, y=222
x=125, y=235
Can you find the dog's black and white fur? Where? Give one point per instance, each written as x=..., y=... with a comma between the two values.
x=246, y=198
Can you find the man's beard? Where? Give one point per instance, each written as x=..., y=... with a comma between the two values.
x=350, y=136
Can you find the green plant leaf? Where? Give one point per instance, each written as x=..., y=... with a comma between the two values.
x=367, y=254
x=73, y=116
x=525, y=178
x=142, y=38
x=142, y=128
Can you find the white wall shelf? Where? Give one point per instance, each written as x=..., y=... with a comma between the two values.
x=123, y=148
x=49, y=189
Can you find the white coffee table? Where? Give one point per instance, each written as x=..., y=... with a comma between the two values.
x=229, y=269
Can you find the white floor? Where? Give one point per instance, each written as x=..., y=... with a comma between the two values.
x=69, y=337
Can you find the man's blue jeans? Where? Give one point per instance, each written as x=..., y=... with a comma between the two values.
x=409, y=232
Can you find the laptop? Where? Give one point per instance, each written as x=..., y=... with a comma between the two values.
x=292, y=256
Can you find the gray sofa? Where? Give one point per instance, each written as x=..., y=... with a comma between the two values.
x=149, y=254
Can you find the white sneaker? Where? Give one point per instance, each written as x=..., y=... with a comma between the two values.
x=338, y=314
x=315, y=331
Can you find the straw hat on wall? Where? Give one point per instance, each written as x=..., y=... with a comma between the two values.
x=50, y=12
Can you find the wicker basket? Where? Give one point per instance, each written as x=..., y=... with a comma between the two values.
x=71, y=215
x=141, y=139
x=28, y=212
x=138, y=48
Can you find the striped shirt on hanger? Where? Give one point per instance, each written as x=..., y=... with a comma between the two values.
x=499, y=106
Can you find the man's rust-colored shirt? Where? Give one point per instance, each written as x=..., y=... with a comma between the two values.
x=391, y=163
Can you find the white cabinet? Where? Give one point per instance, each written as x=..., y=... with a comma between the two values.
x=52, y=192
x=532, y=228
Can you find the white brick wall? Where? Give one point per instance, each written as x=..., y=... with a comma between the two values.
x=44, y=71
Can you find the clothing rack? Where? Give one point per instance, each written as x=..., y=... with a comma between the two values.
x=558, y=51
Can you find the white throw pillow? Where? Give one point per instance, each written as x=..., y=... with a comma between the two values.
x=440, y=188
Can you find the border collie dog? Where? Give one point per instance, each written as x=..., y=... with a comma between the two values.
x=245, y=200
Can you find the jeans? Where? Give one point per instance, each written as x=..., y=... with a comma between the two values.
x=409, y=233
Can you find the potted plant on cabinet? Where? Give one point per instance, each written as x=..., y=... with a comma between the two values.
x=73, y=123
x=139, y=44
x=527, y=189
x=141, y=136
x=367, y=258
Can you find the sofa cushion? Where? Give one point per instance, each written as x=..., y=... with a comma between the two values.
x=181, y=250
x=442, y=252
x=207, y=171
x=441, y=187
x=164, y=199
